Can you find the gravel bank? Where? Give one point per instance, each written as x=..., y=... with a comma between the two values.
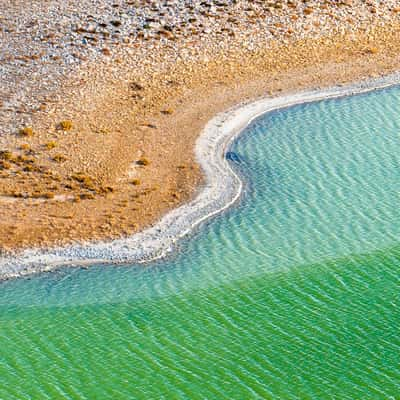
x=43, y=44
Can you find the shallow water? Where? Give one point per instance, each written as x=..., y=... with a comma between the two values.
x=292, y=294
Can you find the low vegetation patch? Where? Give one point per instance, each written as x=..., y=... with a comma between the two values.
x=135, y=182
x=27, y=131
x=372, y=50
x=82, y=178
x=4, y=165
x=65, y=125
x=59, y=158
x=50, y=145
x=6, y=155
x=25, y=147
x=143, y=161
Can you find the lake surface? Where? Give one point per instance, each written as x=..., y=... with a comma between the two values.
x=292, y=294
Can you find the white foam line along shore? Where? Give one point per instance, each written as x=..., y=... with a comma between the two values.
x=222, y=188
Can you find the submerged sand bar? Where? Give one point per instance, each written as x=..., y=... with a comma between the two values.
x=221, y=189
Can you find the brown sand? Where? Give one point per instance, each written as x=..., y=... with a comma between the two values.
x=123, y=118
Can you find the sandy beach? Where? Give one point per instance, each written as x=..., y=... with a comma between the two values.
x=101, y=146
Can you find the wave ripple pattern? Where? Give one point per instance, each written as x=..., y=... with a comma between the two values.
x=291, y=294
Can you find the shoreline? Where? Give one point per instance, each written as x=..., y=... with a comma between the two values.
x=211, y=146
x=126, y=157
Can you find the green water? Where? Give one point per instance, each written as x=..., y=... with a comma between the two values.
x=292, y=294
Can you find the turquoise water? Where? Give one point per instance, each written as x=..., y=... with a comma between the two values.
x=292, y=294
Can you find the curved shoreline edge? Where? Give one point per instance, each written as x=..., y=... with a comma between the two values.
x=222, y=188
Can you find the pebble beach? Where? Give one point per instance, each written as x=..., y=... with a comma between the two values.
x=101, y=105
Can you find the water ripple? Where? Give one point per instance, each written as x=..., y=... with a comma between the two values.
x=293, y=294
